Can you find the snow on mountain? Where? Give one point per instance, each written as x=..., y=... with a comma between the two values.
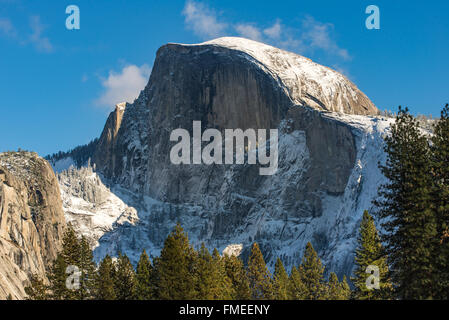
x=62, y=164
x=330, y=143
x=114, y=226
x=90, y=206
x=306, y=82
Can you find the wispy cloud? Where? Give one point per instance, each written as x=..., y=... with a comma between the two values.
x=124, y=85
x=312, y=36
x=40, y=42
x=202, y=20
x=7, y=28
x=34, y=36
x=318, y=36
x=249, y=31
x=274, y=32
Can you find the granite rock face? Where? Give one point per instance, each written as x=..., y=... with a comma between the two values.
x=31, y=220
x=107, y=142
x=224, y=87
x=232, y=83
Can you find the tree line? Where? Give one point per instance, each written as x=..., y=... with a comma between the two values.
x=181, y=272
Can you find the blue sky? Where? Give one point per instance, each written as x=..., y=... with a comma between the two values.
x=57, y=86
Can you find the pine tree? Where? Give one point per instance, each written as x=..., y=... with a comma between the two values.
x=280, y=281
x=337, y=290
x=296, y=288
x=370, y=252
x=225, y=290
x=104, y=280
x=174, y=269
x=57, y=277
x=440, y=170
x=144, y=278
x=311, y=272
x=206, y=285
x=124, y=279
x=37, y=290
x=345, y=289
x=212, y=282
x=71, y=250
x=405, y=205
x=70, y=255
x=238, y=276
x=258, y=275
x=87, y=268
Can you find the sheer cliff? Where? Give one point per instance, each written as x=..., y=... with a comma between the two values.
x=31, y=220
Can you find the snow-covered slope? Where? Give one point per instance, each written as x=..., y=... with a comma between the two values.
x=90, y=206
x=121, y=229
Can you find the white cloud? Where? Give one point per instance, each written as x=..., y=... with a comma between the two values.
x=124, y=85
x=312, y=36
x=274, y=32
x=249, y=31
x=34, y=36
x=202, y=20
x=318, y=35
x=40, y=42
x=7, y=28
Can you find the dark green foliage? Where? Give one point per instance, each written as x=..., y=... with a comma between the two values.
x=57, y=278
x=280, y=281
x=406, y=206
x=71, y=249
x=206, y=277
x=370, y=252
x=337, y=290
x=175, y=276
x=87, y=268
x=259, y=276
x=440, y=170
x=144, y=278
x=345, y=289
x=76, y=255
x=124, y=279
x=80, y=154
x=311, y=273
x=296, y=288
x=104, y=280
x=238, y=277
x=179, y=273
x=224, y=288
x=212, y=282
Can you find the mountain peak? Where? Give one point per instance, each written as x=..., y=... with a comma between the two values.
x=306, y=83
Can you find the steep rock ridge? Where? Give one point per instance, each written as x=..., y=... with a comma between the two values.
x=238, y=83
x=31, y=220
x=107, y=142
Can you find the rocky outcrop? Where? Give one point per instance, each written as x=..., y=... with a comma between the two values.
x=31, y=220
x=105, y=157
x=232, y=83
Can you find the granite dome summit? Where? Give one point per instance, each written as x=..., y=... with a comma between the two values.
x=306, y=82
